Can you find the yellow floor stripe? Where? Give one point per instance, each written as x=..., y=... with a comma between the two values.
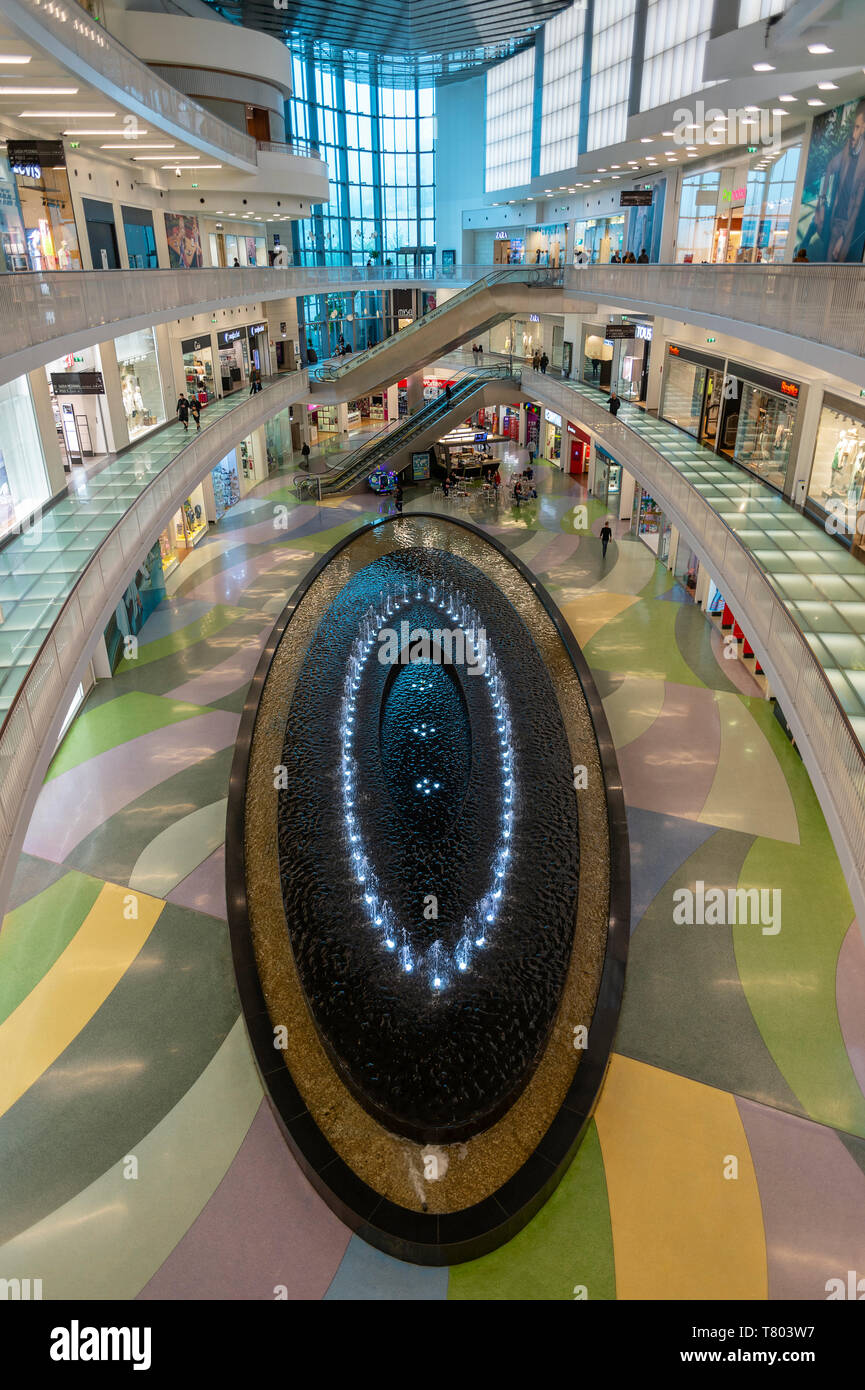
x=589, y=613
x=78, y=983
x=681, y=1229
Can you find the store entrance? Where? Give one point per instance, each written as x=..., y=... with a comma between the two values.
x=712, y=401
x=416, y=257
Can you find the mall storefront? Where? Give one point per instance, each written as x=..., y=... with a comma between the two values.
x=198, y=368
x=734, y=408
x=140, y=381
x=77, y=390
x=837, y=482
x=37, y=220
x=23, y=476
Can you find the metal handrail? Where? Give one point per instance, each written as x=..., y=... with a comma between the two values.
x=37, y=709
x=67, y=23
x=811, y=704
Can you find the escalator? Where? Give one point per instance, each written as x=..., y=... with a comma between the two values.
x=469, y=313
x=422, y=428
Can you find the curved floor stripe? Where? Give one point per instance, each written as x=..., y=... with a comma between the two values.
x=107, y=726
x=263, y=1234
x=367, y=1275
x=813, y=1196
x=633, y=707
x=659, y=845
x=749, y=791
x=849, y=992
x=81, y=978
x=587, y=615
x=204, y=889
x=120, y=1075
x=35, y=935
x=75, y=803
x=109, y=1240
x=672, y=766
x=567, y=1246
x=174, y=853
x=681, y=1230
x=734, y=669
x=236, y=670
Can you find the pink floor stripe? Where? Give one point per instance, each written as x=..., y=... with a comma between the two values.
x=263, y=1228
x=72, y=805
x=204, y=889
x=733, y=669
x=560, y=549
x=671, y=767
x=226, y=676
x=813, y=1196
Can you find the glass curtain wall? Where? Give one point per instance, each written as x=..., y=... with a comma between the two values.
x=378, y=140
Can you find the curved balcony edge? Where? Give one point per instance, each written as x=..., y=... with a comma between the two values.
x=29, y=732
x=813, y=314
x=830, y=749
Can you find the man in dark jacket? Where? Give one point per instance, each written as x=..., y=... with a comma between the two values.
x=643, y=258
x=545, y=362
x=614, y=403
x=606, y=537
x=183, y=411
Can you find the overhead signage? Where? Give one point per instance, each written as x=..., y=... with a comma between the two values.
x=77, y=384
x=28, y=158
x=780, y=384
x=635, y=198
x=789, y=388
x=255, y=328
x=644, y=331
x=534, y=318
x=194, y=344
x=619, y=330
x=228, y=336
x=502, y=236
x=553, y=418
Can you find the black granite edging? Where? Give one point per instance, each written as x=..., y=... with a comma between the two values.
x=419, y=1237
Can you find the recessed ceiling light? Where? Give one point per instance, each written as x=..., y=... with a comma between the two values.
x=38, y=91
x=596, y=180
x=752, y=109
x=762, y=67
x=779, y=111
x=649, y=139
x=815, y=101
x=125, y=146
x=105, y=132
x=692, y=156
x=789, y=98
x=64, y=115
x=820, y=48
x=193, y=169
x=176, y=159
x=827, y=86
x=615, y=166
x=14, y=58
x=600, y=170
x=667, y=133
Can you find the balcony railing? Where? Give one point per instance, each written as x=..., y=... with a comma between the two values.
x=832, y=751
x=31, y=726
x=818, y=303
x=110, y=62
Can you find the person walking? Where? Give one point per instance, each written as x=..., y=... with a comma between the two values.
x=305, y=454
x=497, y=480
x=254, y=381
x=614, y=404
x=195, y=412
x=545, y=362
x=606, y=537
x=183, y=411
x=643, y=258
x=398, y=495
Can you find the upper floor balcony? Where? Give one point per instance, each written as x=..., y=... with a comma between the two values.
x=812, y=313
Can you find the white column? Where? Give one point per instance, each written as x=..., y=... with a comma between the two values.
x=626, y=496
x=805, y=441
x=41, y=397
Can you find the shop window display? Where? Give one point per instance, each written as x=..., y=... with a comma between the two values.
x=226, y=485
x=23, y=476
x=684, y=389
x=42, y=184
x=198, y=369
x=140, y=382
x=194, y=520
x=764, y=433
x=838, y=471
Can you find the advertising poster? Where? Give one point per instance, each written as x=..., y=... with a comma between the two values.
x=250, y=250
x=184, y=242
x=420, y=466
x=832, y=221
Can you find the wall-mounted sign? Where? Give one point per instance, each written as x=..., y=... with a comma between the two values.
x=673, y=350
x=635, y=198
x=502, y=236
x=194, y=344
x=228, y=336
x=553, y=418
x=619, y=330
x=534, y=318
x=29, y=157
x=255, y=329
x=77, y=384
x=644, y=331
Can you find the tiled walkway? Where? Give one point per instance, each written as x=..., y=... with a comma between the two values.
x=39, y=567
x=119, y=1045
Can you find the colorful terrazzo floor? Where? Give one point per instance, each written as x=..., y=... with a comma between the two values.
x=726, y=1158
